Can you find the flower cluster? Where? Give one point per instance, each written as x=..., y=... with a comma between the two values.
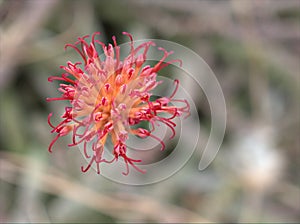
x=108, y=98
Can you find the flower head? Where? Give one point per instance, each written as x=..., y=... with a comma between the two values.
x=109, y=97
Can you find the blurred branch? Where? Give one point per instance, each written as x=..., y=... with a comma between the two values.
x=258, y=79
x=15, y=37
x=50, y=46
x=118, y=206
x=199, y=19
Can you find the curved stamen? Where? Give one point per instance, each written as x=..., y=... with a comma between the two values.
x=176, y=81
x=56, y=98
x=88, y=166
x=163, y=146
x=93, y=37
x=85, y=150
x=117, y=49
x=170, y=124
x=157, y=67
x=49, y=121
x=145, y=133
x=130, y=161
x=76, y=49
x=52, y=143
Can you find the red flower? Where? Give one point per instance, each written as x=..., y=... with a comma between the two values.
x=109, y=97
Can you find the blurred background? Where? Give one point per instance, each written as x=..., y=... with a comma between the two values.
x=253, y=48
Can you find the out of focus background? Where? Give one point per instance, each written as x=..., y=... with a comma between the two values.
x=253, y=47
